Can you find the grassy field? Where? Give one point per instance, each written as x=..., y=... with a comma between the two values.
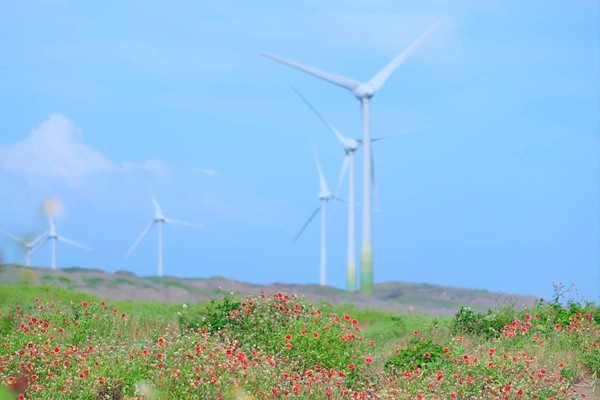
x=61, y=344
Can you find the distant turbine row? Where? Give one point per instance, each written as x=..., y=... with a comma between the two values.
x=51, y=235
x=349, y=145
x=363, y=91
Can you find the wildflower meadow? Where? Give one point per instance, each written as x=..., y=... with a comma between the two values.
x=59, y=344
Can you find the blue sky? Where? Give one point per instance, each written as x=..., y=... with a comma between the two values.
x=501, y=193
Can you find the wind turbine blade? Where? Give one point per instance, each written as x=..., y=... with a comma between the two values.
x=322, y=183
x=312, y=216
x=73, y=243
x=382, y=76
x=332, y=128
x=183, y=223
x=35, y=245
x=157, y=209
x=346, y=83
x=13, y=237
x=343, y=172
x=422, y=128
x=142, y=236
x=37, y=241
x=51, y=224
x=41, y=243
x=359, y=205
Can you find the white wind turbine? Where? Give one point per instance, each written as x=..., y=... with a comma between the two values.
x=325, y=195
x=350, y=145
x=363, y=91
x=29, y=245
x=160, y=220
x=54, y=237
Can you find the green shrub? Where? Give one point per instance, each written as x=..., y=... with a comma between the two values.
x=419, y=354
x=490, y=325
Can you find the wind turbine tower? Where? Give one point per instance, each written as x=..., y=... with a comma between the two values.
x=325, y=195
x=363, y=91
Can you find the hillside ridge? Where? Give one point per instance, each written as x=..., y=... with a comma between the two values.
x=402, y=297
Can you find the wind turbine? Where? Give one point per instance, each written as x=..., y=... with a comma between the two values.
x=350, y=145
x=325, y=195
x=363, y=91
x=160, y=220
x=29, y=245
x=54, y=237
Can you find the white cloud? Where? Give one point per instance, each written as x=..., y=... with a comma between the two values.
x=55, y=153
x=55, y=150
x=156, y=168
x=210, y=172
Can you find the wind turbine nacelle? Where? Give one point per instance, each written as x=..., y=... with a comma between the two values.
x=364, y=91
x=325, y=196
x=351, y=145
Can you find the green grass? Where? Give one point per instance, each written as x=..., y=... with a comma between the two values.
x=120, y=280
x=66, y=281
x=94, y=283
x=126, y=273
x=170, y=282
x=47, y=279
x=428, y=302
x=84, y=270
x=20, y=294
